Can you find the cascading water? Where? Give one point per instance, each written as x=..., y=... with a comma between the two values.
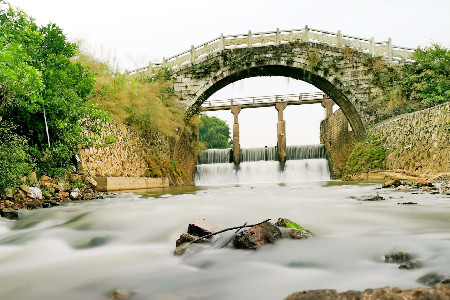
x=260, y=165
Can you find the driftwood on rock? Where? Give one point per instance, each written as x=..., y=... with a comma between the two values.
x=227, y=229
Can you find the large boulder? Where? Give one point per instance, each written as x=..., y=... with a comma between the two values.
x=9, y=213
x=34, y=192
x=391, y=183
x=257, y=236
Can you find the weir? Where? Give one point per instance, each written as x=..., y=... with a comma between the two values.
x=261, y=165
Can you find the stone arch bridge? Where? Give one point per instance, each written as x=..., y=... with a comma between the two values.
x=339, y=65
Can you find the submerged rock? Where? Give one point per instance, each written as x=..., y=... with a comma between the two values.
x=9, y=213
x=119, y=295
x=432, y=279
x=391, y=183
x=298, y=234
x=370, y=198
x=438, y=292
x=257, y=236
x=397, y=257
x=185, y=238
x=409, y=265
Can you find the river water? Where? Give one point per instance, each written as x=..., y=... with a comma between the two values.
x=85, y=250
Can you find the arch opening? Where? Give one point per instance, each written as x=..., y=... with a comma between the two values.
x=319, y=82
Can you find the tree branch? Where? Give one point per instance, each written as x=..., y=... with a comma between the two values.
x=227, y=229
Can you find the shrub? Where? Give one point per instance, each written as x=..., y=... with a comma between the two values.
x=367, y=155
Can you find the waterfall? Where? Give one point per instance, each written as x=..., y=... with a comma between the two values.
x=260, y=165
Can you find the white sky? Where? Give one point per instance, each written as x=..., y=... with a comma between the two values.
x=132, y=33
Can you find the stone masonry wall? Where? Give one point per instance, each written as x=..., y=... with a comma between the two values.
x=339, y=141
x=125, y=157
x=419, y=142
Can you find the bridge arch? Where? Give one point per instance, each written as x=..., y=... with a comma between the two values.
x=225, y=78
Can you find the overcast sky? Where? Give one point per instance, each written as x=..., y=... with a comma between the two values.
x=131, y=33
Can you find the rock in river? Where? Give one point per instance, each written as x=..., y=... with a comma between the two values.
x=257, y=236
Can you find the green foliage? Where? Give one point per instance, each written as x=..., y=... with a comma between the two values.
x=203, y=69
x=367, y=155
x=427, y=80
x=15, y=162
x=38, y=82
x=412, y=86
x=214, y=132
x=294, y=225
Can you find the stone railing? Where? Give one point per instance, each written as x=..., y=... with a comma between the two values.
x=259, y=101
x=386, y=49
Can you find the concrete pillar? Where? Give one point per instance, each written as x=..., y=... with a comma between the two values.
x=281, y=132
x=327, y=103
x=235, y=109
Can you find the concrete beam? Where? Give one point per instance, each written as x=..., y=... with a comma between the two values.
x=107, y=184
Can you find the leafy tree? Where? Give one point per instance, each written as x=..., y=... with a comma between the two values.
x=214, y=132
x=42, y=90
x=427, y=80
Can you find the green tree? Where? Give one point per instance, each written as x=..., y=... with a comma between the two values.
x=42, y=90
x=427, y=79
x=214, y=132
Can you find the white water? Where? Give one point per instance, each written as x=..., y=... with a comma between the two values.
x=262, y=172
x=45, y=254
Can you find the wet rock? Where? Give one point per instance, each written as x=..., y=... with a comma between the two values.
x=281, y=222
x=257, y=236
x=298, y=234
x=9, y=213
x=370, y=198
x=34, y=192
x=185, y=238
x=424, y=183
x=432, y=279
x=409, y=265
x=75, y=194
x=202, y=227
x=391, y=183
x=445, y=189
x=119, y=295
x=438, y=292
x=63, y=196
x=430, y=189
x=402, y=187
x=407, y=203
x=180, y=250
x=397, y=257
x=50, y=203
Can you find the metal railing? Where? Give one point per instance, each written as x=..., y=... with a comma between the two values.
x=277, y=37
x=262, y=101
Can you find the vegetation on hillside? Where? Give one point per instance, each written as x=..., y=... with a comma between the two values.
x=148, y=104
x=412, y=86
x=214, y=133
x=43, y=98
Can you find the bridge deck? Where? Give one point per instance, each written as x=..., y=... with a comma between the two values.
x=277, y=37
x=264, y=101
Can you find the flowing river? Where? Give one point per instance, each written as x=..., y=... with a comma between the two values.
x=86, y=250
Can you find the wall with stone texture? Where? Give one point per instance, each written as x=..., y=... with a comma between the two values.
x=418, y=142
x=125, y=157
x=339, y=140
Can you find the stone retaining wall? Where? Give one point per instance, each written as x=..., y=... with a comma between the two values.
x=418, y=142
x=124, y=157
